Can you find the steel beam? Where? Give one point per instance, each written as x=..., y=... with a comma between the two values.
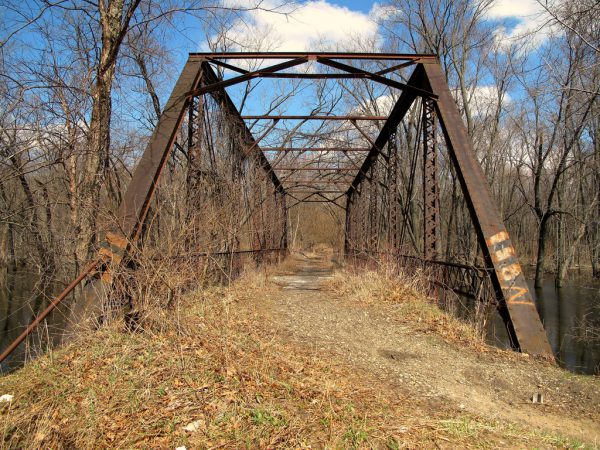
x=136, y=200
x=396, y=67
x=284, y=207
x=315, y=181
x=373, y=230
x=222, y=84
x=314, y=191
x=378, y=78
x=222, y=97
x=313, y=76
x=348, y=224
x=316, y=149
x=393, y=200
x=327, y=169
x=314, y=117
x=398, y=112
x=227, y=66
x=518, y=308
x=431, y=201
x=314, y=55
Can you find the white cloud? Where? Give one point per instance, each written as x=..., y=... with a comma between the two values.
x=501, y=9
x=484, y=100
x=311, y=25
x=382, y=12
x=381, y=105
x=531, y=22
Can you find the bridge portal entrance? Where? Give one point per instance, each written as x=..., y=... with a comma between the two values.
x=376, y=137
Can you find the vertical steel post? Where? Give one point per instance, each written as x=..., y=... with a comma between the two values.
x=393, y=201
x=364, y=218
x=196, y=135
x=373, y=192
x=284, y=214
x=431, y=202
x=348, y=225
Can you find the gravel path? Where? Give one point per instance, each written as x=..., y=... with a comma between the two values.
x=497, y=385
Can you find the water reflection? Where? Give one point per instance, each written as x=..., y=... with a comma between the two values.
x=19, y=297
x=562, y=311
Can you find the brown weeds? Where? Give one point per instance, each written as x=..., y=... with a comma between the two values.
x=206, y=364
x=408, y=292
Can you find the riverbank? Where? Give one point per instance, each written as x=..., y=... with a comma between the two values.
x=268, y=363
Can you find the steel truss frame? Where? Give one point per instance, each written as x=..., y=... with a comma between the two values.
x=368, y=205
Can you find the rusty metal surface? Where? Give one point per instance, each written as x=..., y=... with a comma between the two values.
x=523, y=322
x=377, y=216
x=309, y=182
x=313, y=117
x=218, y=85
x=400, y=109
x=135, y=203
x=316, y=149
x=431, y=200
x=373, y=237
x=326, y=169
x=393, y=200
x=315, y=76
x=313, y=55
x=377, y=78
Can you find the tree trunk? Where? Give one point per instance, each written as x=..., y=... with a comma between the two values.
x=96, y=161
x=114, y=22
x=572, y=249
x=541, y=252
x=561, y=264
x=46, y=258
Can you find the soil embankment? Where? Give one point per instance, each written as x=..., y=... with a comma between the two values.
x=304, y=355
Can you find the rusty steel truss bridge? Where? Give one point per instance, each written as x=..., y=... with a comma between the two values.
x=365, y=182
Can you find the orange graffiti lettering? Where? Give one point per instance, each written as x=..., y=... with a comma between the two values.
x=497, y=238
x=520, y=292
x=510, y=272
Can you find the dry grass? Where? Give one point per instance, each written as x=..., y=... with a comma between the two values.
x=587, y=329
x=409, y=294
x=207, y=361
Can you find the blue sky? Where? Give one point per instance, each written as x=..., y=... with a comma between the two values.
x=356, y=5
x=340, y=24
x=335, y=18
x=332, y=24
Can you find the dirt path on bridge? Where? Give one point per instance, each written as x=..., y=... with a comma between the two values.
x=494, y=384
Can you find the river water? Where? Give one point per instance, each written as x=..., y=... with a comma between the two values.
x=19, y=297
x=562, y=311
